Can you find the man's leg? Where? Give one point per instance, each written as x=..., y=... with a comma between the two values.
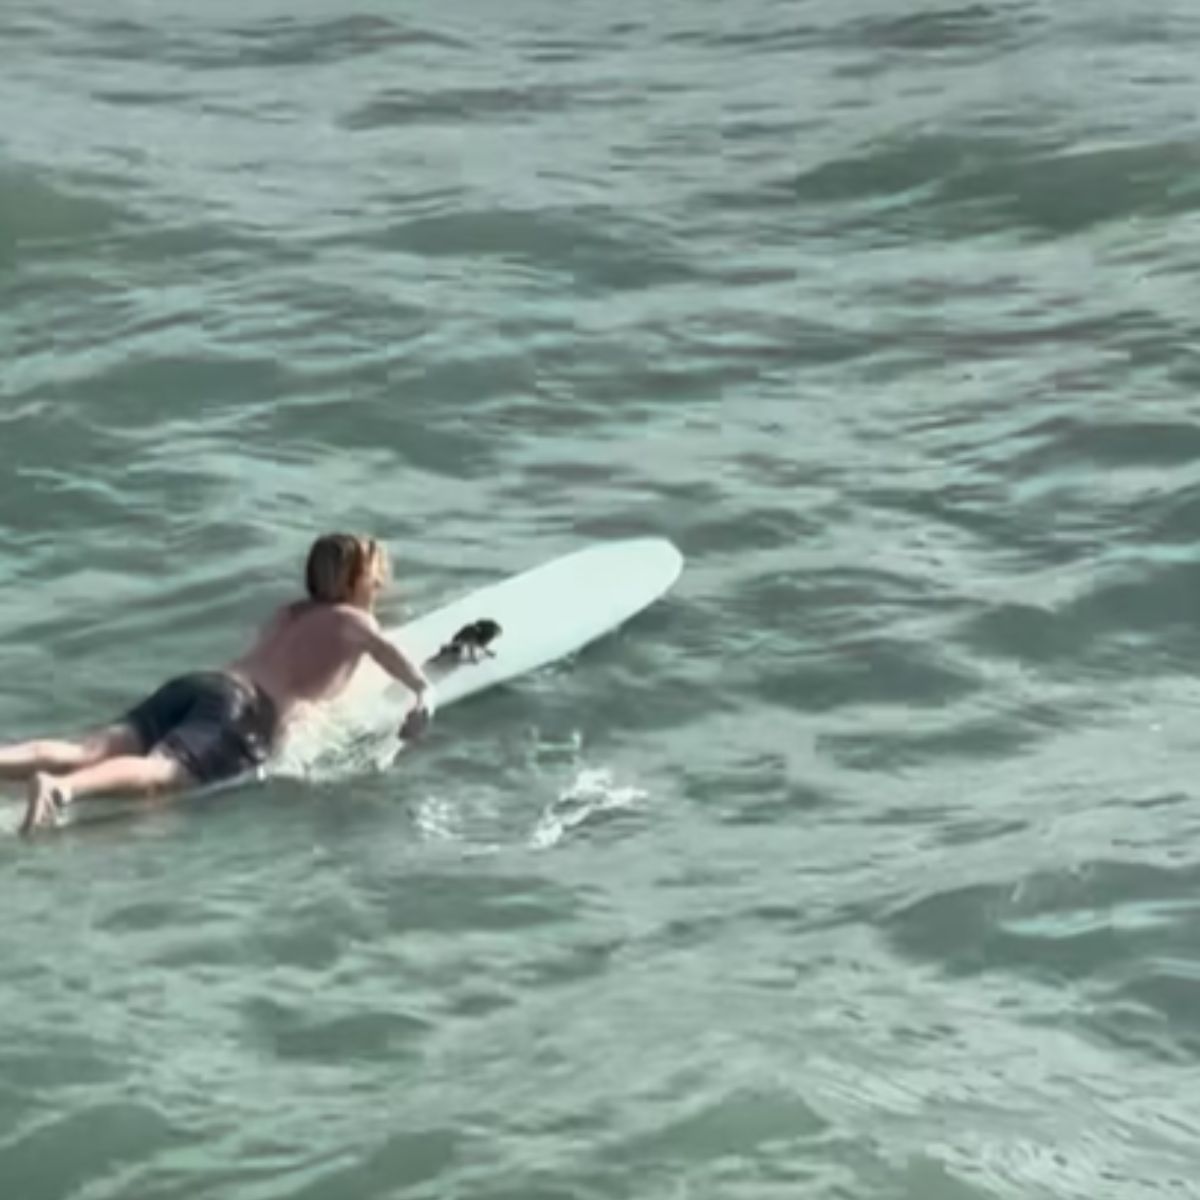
x=24, y=759
x=129, y=773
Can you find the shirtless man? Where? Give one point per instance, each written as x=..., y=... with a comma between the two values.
x=214, y=725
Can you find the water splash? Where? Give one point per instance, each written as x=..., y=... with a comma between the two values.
x=437, y=819
x=330, y=745
x=592, y=792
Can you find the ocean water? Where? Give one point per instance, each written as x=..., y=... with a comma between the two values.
x=867, y=864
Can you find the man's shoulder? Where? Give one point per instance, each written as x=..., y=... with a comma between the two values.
x=319, y=610
x=324, y=619
x=349, y=616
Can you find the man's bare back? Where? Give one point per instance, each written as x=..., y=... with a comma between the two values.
x=308, y=653
x=302, y=654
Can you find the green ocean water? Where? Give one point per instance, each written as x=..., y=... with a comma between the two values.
x=862, y=867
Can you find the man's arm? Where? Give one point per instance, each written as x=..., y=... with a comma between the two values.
x=390, y=657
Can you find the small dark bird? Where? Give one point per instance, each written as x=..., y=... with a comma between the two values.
x=470, y=642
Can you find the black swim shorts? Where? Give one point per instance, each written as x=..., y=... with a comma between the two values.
x=217, y=725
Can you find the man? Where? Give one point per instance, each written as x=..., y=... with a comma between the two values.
x=208, y=726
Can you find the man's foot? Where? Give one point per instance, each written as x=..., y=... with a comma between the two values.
x=47, y=799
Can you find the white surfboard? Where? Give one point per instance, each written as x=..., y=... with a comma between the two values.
x=543, y=614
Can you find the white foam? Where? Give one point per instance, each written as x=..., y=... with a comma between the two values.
x=437, y=819
x=592, y=791
x=331, y=744
x=12, y=813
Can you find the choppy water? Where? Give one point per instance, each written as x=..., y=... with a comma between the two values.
x=866, y=865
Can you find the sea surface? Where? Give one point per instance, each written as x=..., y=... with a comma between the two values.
x=866, y=865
